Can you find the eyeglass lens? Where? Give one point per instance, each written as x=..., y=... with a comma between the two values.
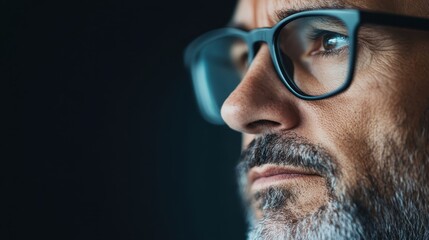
x=314, y=54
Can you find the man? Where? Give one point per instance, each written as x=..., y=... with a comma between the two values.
x=333, y=105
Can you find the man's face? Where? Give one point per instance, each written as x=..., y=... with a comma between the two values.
x=350, y=166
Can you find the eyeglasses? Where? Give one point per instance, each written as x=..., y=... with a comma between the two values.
x=313, y=52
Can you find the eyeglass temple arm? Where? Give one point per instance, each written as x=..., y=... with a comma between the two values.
x=388, y=19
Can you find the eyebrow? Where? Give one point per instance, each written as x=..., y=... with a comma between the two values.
x=284, y=13
x=321, y=4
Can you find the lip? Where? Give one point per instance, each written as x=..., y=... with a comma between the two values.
x=267, y=175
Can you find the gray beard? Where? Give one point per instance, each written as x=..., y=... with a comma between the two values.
x=390, y=204
x=335, y=221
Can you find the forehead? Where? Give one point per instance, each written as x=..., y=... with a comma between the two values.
x=265, y=13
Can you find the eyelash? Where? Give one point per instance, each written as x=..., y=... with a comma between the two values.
x=331, y=53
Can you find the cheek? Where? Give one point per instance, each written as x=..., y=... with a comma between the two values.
x=354, y=124
x=386, y=101
x=396, y=82
x=350, y=132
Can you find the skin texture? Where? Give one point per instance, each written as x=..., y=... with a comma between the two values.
x=385, y=106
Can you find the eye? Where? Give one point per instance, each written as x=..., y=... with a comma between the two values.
x=328, y=43
x=334, y=41
x=239, y=56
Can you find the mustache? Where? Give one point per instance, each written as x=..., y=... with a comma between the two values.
x=287, y=149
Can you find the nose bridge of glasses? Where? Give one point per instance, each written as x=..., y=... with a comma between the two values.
x=256, y=38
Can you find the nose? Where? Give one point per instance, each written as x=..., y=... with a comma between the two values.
x=260, y=103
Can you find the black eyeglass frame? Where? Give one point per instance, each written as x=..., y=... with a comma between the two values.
x=352, y=18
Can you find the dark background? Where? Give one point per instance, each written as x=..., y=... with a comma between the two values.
x=101, y=137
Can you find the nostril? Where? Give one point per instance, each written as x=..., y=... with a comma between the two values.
x=262, y=124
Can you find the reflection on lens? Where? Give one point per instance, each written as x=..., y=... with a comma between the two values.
x=314, y=54
x=218, y=69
